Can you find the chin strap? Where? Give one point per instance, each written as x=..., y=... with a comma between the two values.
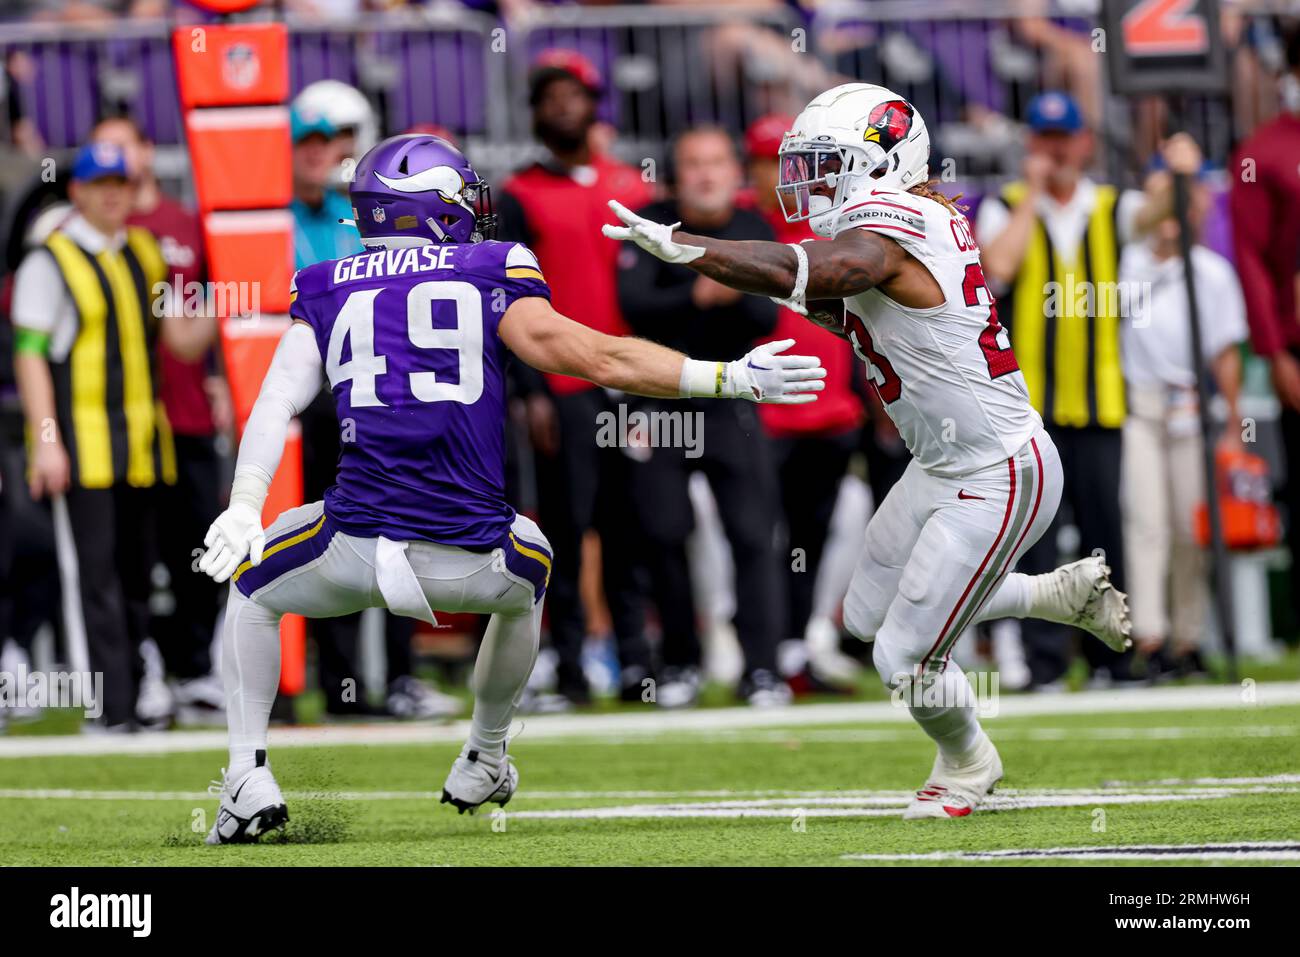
x=795, y=300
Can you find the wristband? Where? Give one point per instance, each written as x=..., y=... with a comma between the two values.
x=701, y=379
x=250, y=490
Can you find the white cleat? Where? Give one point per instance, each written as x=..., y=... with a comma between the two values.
x=1081, y=594
x=250, y=806
x=956, y=791
x=473, y=782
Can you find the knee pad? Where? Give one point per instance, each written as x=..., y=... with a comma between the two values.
x=893, y=660
x=861, y=621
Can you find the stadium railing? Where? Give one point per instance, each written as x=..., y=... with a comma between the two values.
x=665, y=68
x=426, y=66
x=970, y=68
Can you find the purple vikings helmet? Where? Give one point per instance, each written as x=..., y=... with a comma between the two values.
x=416, y=189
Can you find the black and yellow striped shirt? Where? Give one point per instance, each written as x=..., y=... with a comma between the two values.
x=106, y=386
x=1064, y=320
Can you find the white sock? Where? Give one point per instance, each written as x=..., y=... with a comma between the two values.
x=250, y=671
x=505, y=660
x=1014, y=598
x=953, y=727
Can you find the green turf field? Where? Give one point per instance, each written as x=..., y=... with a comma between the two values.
x=806, y=795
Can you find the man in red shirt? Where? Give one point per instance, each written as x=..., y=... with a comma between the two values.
x=1265, y=207
x=197, y=404
x=812, y=443
x=557, y=206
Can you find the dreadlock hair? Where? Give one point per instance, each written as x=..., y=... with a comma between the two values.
x=929, y=192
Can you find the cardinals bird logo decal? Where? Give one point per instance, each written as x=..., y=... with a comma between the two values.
x=888, y=124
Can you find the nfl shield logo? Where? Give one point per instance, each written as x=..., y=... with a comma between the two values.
x=240, y=67
x=379, y=214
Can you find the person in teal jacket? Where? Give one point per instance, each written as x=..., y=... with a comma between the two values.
x=317, y=209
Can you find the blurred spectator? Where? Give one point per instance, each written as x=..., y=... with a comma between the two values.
x=90, y=12
x=811, y=444
x=696, y=315
x=1265, y=207
x=1164, y=478
x=29, y=579
x=1050, y=245
x=318, y=209
x=1070, y=61
x=85, y=314
x=197, y=404
x=347, y=110
x=557, y=207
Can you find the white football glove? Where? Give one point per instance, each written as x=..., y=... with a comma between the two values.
x=764, y=375
x=236, y=533
x=654, y=238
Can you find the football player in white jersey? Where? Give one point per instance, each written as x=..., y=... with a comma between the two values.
x=897, y=272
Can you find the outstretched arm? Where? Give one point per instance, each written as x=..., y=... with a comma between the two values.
x=293, y=380
x=546, y=340
x=853, y=262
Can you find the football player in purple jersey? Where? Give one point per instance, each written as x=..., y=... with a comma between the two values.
x=412, y=336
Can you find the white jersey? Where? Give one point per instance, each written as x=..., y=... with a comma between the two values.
x=946, y=375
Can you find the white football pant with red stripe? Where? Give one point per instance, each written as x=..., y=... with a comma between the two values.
x=938, y=557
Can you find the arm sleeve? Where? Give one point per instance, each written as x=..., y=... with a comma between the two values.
x=1249, y=205
x=291, y=383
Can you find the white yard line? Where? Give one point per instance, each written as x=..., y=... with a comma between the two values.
x=628, y=726
x=723, y=797
x=851, y=807
x=1262, y=851
x=862, y=803
x=1188, y=782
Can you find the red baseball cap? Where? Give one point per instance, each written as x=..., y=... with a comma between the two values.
x=556, y=62
x=763, y=138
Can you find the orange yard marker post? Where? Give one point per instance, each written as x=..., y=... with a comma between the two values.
x=233, y=82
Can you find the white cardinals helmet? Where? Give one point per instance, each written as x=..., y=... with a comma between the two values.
x=847, y=139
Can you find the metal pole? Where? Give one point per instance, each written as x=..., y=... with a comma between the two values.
x=1219, y=551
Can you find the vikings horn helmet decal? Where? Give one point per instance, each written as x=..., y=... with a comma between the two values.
x=420, y=189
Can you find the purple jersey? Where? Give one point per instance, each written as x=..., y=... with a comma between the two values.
x=409, y=339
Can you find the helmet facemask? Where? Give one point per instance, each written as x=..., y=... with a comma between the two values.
x=478, y=197
x=816, y=177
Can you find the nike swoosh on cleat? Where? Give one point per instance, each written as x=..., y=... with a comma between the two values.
x=963, y=495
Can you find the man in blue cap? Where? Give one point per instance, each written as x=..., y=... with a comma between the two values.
x=317, y=209
x=89, y=307
x=1050, y=246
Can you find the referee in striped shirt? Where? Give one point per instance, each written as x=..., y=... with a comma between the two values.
x=86, y=327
